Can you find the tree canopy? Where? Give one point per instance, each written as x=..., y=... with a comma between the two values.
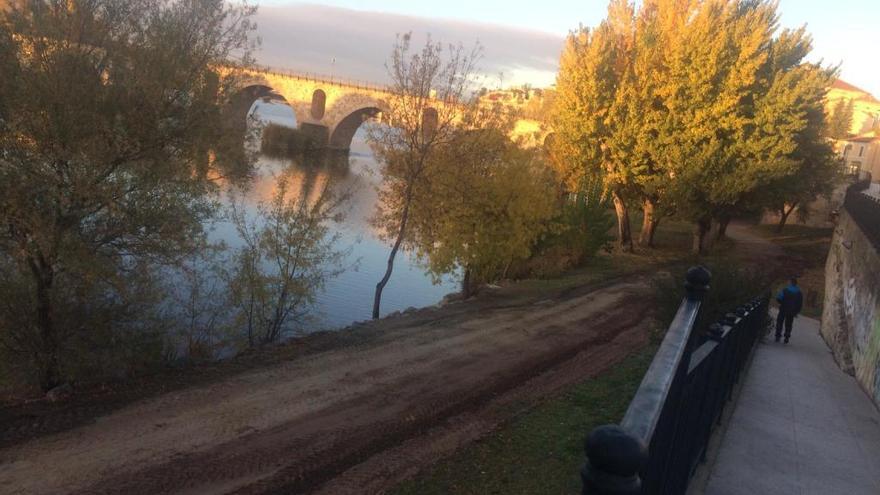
x=108, y=113
x=691, y=108
x=487, y=204
x=840, y=120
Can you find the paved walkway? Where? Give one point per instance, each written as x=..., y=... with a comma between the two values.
x=801, y=426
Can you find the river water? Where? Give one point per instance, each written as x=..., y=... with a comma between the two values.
x=347, y=297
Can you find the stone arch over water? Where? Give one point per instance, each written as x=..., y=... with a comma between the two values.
x=238, y=111
x=345, y=130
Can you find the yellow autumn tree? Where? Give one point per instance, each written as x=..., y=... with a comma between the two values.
x=487, y=204
x=591, y=70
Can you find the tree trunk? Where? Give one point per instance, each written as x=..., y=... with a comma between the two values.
x=650, y=221
x=624, y=234
x=701, y=228
x=467, y=289
x=723, y=222
x=44, y=276
x=783, y=217
x=377, y=299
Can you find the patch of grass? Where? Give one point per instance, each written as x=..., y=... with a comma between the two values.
x=809, y=244
x=540, y=452
x=672, y=247
x=596, y=269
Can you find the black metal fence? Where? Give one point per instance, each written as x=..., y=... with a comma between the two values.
x=665, y=432
x=864, y=210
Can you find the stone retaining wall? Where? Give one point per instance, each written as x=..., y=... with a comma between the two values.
x=851, y=318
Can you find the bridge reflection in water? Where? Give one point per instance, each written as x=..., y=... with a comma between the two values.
x=348, y=297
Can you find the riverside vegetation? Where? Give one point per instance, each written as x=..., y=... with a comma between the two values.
x=111, y=187
x=108, y=188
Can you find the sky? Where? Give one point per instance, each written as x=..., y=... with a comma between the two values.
x=521, y=40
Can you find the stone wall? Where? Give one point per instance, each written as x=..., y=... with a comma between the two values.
x=851, y=318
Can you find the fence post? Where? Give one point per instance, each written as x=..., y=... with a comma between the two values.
x=615, y=456
x=614, y=459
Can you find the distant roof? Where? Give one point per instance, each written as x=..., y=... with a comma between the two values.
x=841, y=84
x=862, y=139
x=845, y=86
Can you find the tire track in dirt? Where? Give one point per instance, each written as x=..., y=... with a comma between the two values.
x=388, y=468
x=299, y=425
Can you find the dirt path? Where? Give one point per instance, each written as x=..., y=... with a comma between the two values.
x=351, y=420
x=361, y=417
x=754, y=249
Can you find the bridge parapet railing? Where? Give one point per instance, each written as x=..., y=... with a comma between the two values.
x=665, y=432
x=323, y=78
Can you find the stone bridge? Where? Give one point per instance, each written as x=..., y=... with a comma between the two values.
x=329, y=110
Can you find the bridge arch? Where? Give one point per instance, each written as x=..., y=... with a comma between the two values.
x=238, y=111
x=344, y=131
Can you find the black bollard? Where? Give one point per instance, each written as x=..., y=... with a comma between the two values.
x=614, y=459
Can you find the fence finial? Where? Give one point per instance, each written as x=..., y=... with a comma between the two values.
x=697, y=284
x=614, y=459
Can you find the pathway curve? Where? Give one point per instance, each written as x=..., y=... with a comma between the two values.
x=801, y=426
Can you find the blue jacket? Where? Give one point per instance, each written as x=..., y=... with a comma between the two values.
x=791, y=300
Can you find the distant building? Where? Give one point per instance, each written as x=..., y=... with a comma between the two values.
x=861, y=154
x=866, y=108
x=861, y=149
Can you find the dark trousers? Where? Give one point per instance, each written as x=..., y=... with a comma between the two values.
x=788, y=320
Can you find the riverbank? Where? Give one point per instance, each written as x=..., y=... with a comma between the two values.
x=360, y=409
x=402, y=391
x=28, y=417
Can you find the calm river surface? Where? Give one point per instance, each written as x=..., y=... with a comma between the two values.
x=349, y=296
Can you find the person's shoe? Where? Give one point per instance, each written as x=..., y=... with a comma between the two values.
x=777, y=339
x=786, y=340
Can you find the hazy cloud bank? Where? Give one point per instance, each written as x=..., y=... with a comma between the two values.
x=306, y=37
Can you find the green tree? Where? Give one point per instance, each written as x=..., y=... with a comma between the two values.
x=610, y=109
x=689, y=107
x=107, y=109
x=841, y=119
x=739, y=100
x=786, y=160
x=288, y=255
x=431, y=99
x=486, y=205
x=816, y=169
x=636, y=114
x=707, y=90
x=591, y=71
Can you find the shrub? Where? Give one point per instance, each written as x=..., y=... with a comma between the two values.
x=579, y=231
x=732, y=284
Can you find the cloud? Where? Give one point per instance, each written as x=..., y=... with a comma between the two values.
x=307, y=37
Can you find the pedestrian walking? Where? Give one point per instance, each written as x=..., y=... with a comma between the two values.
x=791, y=301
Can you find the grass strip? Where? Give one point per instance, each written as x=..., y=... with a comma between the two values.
x=541, y=451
